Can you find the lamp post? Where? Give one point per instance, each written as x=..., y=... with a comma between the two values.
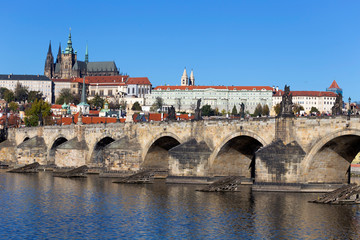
x=349, y=110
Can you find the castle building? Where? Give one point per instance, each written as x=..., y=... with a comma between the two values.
x=334, y=87
x=68, y=66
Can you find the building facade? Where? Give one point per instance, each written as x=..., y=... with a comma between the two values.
x=39, y=83
x=222, y=98
x=68, y=66
x=321, y=100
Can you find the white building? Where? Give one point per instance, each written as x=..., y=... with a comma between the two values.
x=60, y=84
x=322, y=100
x=39, y=83
x=223, y=98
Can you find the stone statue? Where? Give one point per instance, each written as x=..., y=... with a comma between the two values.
x=41, y=121
x=286, y=103
x=171, y=114
x=198, y=111
x=337, y=108
x=242, y=110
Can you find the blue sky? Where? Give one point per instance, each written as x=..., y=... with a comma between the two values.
x=305, y=44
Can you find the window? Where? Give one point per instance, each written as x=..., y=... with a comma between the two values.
x=110, y=92
x=101, y=92
x=92, y=92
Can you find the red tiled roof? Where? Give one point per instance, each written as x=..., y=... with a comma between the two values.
x=334, y=85
x=56, y=106
x=139, y=80
x=308, y=93
x=110, y=80
x=237, y=88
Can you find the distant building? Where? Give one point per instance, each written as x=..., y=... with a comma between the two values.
x=322, y=100
x=39, y=83
x=223, y=98
x=60, y=84
x=68, y=66
x=334, y=87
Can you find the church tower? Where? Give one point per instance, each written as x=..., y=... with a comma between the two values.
x=58, y=58
x=68, y=59
x=184, y=79
x=192, y=79
x=49, y=64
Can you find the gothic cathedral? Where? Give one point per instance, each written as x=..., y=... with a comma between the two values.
x=67, y=66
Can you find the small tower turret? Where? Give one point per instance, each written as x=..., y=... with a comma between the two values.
x=184, y=78
x=192, y=79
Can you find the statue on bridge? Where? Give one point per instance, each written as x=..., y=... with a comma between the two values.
x=171, y=114
x=286, y=103
x=198, y=111
x=337, y=108
x=242, y=110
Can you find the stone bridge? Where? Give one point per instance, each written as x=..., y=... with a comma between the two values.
x=280, y=150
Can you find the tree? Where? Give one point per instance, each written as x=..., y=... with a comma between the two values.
x=97, y=102
x=223, y=112
x=21, y=93
x=136, y=106
x=277, y=109
x=258, y=110
x=2, y=91
x=39, y=107
x=265, y=110
x=9, y=95
x=159, y=103
x=13, y=106
x=206, y=110
x=123, y=104
x=297, y=108
x=34, y=95
x=65, y=96
x=234, y=111
x=114, y=105
x=314, y=110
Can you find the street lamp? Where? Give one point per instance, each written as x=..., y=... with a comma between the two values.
x=349, y=110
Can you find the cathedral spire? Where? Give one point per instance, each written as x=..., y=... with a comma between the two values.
x=58, y=58
x=49, y=51
x=86, y=54
x=69, y=49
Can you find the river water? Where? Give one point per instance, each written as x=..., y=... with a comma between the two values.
x=39, y=206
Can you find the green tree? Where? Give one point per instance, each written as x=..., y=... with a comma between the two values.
x=223, y=112
x=9, y=95
x=297, y=108
x=65, y=96
x=265, y=110
x=34, y=95
x=21, y=93
x=13, y=106
x=277, y=108
x=136, y=106
x=97, y=102
x=258, y=110
x=314, y=110
x=206, y=110
x=159, y=103
x=123, y=104
x=2, y=91
x=38, y=107
x=234, y=111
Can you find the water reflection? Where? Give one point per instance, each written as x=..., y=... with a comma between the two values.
x=40, y=206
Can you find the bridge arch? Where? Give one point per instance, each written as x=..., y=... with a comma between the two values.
x=155, y=153
x=57, y=141
x=329, y=159
x=235, y=155
x=25, y=139
x=97, y=154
